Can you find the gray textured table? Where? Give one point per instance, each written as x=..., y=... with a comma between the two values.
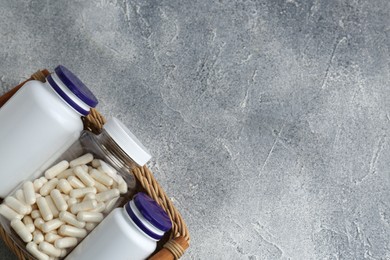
x=268, y=120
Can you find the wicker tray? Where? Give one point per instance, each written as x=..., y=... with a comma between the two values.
x=173, y=245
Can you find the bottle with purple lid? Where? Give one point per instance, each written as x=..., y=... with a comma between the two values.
x=131, y=232
x=40, y=122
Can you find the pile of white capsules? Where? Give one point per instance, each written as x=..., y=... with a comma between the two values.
x=54, y=213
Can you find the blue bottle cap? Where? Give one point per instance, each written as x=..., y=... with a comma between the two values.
x=76, y=86
x=152, y=211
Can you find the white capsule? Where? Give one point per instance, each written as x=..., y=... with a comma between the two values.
x=85, y=159
x=64, y=252
x=110, y=205
x=38, y=236
x=89, y=196
x=51, y=225
x=16, y=205
x=75, y=182
x=89, y=216
x=122, y=186
x=71, y=219
x=48, y=187
x=83, y=206
x=101, y=177
x=84, y=176
x=35, y=214
x=70, y=231
x=101, y=206
x=85, y=167
x=79, y=193
x=19, y=194
x=58, y=200
x=107, y=195
x=66, y=197
x=100, y=187
x=52, y=206
x=65, y=242
x=72, y=201
x=37, y=185
x=90, y=226
x=38, y=222
x=21, y=230
x=33, y=249
x=51, y=237
x=105, y=167
x=9, y=213
x=95, y=163
x=65, y=174
x=56, y=169
x=44, y=209
x=37, y=195
x=29, y=192
x=49, y=249
x=29, y=223
x=43, y=179
x=64, y=186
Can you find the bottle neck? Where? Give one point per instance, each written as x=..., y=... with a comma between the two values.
x=114, y=152
x=67, y=96
x=135, y=216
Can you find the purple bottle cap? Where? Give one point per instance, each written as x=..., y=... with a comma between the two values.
x=76, y=86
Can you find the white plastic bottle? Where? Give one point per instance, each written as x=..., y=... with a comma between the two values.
x=128, y=233
x=40, y=120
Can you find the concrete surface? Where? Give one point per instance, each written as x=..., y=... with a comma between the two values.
x=268, y=120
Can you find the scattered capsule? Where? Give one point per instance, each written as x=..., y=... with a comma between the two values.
x=90, y=226
x=79, y=193
x=37, y=184
x=44, y=209
x=75, y=182
x=83, y=206
x=32, y=248
x=122, y=186
x=21, y=230
x=84, y=176
x=9, y=213
x=89, y=196
x=71, y=219
x=107, y=195
x=72, y=201
x=16, y=205
x=48, y=187
x=85, y=167
x=65, y=242
x=19, y=194
x=38, y=236
x=105, y=167
x=29, y=193
x=51, y=225
x=49, y=249
x=35, y=214
x=52, y=206
x=58, y=200
x=95, y=163
x=43, y=179
x=64, y=186
x=29, y=223
x=100, y=187
x=70, y=231
x=65, y=174
x=110, y=205
x=101, y=177
x=56, y=169
x=101, y=206
x=38, y=222
x=89, y=216
x=51, y=237
x=86, y=158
